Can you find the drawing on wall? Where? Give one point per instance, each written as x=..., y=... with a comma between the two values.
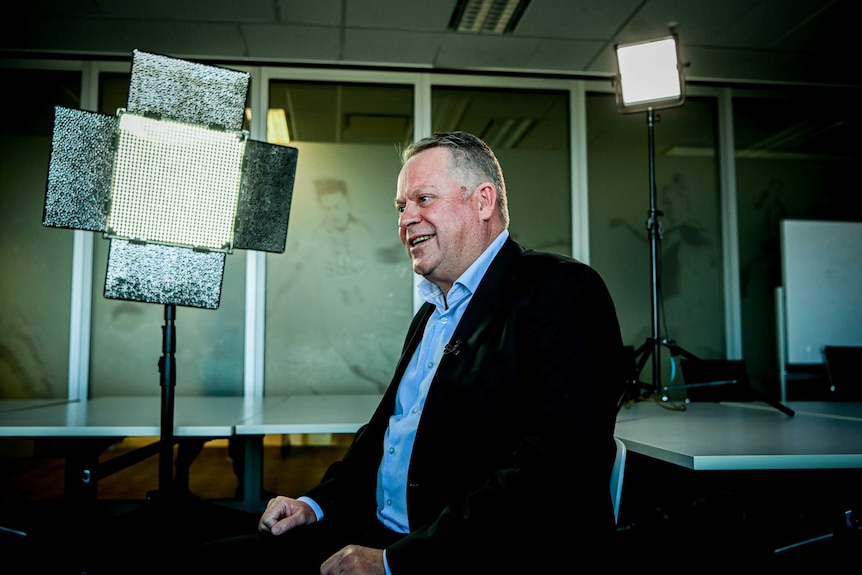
x=21, y=363
x=335, y=292
x=678, y=227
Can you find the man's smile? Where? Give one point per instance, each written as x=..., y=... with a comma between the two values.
x=418, y=240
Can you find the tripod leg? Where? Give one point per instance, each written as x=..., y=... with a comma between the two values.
x=188, y=449
x=640, y=357
x=677, y=350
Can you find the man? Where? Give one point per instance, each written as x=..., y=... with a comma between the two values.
x=492, y=448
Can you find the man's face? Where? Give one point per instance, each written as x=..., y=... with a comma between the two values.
x=336, y=212
x=443, y=232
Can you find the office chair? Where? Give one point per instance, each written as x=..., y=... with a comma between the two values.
x=844, y=370
x=617, y=477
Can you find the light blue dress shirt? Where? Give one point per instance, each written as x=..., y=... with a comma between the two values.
x=410, y=399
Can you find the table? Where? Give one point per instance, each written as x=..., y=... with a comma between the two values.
x=730, y=436
x=86, y=428
x=298, y=414
x=310, y=414
x=837, y=409
x=19, y=404
x=728, y=473
x=90, y=426
x=125, y=416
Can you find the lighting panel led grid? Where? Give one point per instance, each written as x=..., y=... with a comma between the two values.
x=649, y=72
x=175, y=183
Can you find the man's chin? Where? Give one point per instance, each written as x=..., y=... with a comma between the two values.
x=420, y=268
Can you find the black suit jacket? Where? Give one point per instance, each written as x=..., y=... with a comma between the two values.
x=514, y=448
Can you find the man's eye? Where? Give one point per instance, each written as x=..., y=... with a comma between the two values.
x=400, y=209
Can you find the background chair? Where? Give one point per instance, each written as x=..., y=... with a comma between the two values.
x=617, y=477
x=844, y=369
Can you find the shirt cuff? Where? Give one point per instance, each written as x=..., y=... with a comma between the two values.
x=317, y=510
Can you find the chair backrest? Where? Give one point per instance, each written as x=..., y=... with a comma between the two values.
x=617, y=477
x=844, y=370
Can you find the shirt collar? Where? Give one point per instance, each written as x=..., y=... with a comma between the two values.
x=469, y=280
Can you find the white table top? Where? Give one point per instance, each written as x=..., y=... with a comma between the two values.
x=127, y=416
x=19, y=404
x=193, y=416
x=311, y=414
x=713, y=436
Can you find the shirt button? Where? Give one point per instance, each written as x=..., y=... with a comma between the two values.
x=389, y=502
x=430, y=364
x=444, y=320
x=415, y=410
x=391, y=450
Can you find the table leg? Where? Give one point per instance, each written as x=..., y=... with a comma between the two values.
x=251, y=472
x=81, y=479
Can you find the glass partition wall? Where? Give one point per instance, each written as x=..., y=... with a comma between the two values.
x=528, y=129
x=36, y=276
x=126, y=336
x=337, y=303
x=796, y=156
x=689, y=267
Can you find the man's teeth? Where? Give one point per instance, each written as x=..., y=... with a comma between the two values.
x=419, y=240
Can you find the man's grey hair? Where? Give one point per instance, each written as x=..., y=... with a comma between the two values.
x=471, y=159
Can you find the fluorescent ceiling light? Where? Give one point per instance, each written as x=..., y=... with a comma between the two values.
x=491, y=16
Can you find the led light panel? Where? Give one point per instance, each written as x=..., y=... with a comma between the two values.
x=175, y=183
x=172, y=180
x=649, y=75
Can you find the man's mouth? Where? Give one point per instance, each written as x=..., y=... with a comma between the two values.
x=418, y=240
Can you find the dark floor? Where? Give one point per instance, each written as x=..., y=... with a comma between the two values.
x=686, y=521
x=670, y=520
x=133, y=528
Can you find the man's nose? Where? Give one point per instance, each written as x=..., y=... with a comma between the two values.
x=408, y=216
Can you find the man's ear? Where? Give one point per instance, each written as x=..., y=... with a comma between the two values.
x=486, y=196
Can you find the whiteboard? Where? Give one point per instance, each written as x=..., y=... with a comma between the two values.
x=821, y=268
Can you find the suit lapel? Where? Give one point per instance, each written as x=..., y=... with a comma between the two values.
x=489, y=296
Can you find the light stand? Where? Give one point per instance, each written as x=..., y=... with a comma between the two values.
x=168, y=383
x=175, y=184
x=650, y=78
x=651, y=348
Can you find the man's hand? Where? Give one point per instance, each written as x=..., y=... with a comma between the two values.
x=354, y=560
x=283, y=514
